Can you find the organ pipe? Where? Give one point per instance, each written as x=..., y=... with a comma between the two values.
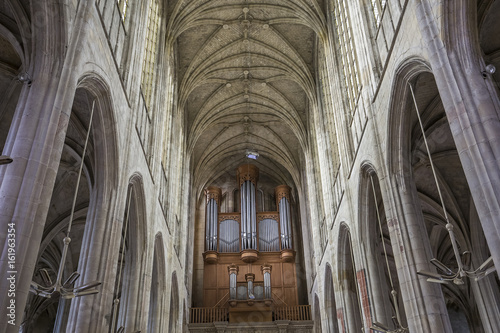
x=233, y=272
x=247, y=179
x=214, y=195
x=266, y=271
x=283, y=203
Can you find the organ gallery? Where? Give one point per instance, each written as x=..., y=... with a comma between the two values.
x=249, y=257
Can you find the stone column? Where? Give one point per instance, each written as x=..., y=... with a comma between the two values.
x=98, y=258
x=472, y=108
x=35, y=143
x=423, y=301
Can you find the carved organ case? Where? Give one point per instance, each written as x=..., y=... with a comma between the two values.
x=249, y=255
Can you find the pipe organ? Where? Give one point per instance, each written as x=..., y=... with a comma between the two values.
x=249, y=256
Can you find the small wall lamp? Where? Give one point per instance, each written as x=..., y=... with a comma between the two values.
x=489, y=70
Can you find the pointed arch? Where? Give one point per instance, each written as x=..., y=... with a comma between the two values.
x=350, y=314
x=157, y=295
x=330, y=304
x=173, y=316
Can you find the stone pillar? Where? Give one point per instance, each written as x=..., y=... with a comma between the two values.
x=35, y=143
x=97, y=261
x=423, y=301
x=472, y=108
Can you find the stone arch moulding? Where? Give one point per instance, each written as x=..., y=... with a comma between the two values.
x=349, y=314
x=397, y=132
x=103, y=204
x=174, y=304
x=158, y=286
x=132, y=293
x=104, y=130
x=329, y=300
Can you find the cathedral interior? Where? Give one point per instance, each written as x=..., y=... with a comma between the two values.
x=250, y=166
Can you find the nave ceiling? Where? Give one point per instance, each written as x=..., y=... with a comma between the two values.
x=246, y=80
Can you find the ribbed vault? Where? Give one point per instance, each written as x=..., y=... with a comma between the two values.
x=246, y=80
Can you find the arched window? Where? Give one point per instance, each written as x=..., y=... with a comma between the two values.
x=347, y=52
x=151, y=51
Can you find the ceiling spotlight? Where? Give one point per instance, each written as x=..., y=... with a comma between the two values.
x=24, y=77
x=252, y=154
x=489, y=70
x=5, y=159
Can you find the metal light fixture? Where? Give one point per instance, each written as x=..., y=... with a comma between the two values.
x=66, y=289
x=4, y=159
x=490, y=69
x=463, y=270
x=24, y=77
x=252, y=154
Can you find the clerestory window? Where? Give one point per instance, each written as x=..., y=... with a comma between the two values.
x=347, y=52
x=151, y=50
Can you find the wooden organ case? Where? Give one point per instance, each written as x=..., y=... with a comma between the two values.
x=249, y=261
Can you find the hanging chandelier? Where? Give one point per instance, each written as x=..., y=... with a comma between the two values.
x=66, y=289
x=447, y=274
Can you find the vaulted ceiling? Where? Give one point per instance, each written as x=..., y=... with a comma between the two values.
x=246, y=76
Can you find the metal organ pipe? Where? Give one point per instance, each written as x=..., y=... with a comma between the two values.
x=213, y=197
x=253, y=217
x=282, y=195
x=247, y=178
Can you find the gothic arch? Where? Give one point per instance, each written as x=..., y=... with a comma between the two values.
x=173, y=316
x=409, y=163
x=131, y=263
x=382, y=276
x=317, y=315
x=350, y=314
x=157, y=305
x=93, y=263
x=90, y=198
x=330, y=304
